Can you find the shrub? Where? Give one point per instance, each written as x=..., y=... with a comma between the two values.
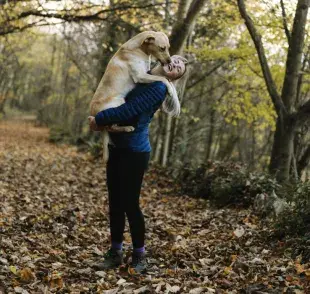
x=59, y=134
x=294, y=223
x=226, y=183
x=298, y=222
x=95, y=148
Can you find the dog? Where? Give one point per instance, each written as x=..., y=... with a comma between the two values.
x=128, y=66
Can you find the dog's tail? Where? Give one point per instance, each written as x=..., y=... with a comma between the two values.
x=171, y=104
x=105, y=148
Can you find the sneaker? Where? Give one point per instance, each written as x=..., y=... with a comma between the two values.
x=139, y=262
x=113, y=258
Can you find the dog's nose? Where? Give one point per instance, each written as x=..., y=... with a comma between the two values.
x=168, y=60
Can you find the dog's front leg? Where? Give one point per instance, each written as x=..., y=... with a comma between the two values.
x=120, y=129
x=147, y=78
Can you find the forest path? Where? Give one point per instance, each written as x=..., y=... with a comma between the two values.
x=54, y=227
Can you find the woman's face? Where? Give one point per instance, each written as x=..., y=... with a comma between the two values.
x=175, y=69
x=171, y=71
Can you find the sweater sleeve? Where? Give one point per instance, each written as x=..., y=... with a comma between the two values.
x=145, y=101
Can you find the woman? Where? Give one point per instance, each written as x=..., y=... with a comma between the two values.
x=129, y=155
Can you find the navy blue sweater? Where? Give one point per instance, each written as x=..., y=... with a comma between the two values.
x=141, y=104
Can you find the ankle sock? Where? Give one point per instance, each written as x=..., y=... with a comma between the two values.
x=139, y=251
x=117, y=245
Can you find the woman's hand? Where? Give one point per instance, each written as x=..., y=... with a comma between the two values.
x=93, y=126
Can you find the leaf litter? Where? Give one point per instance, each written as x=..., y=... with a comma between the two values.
x=54, y=227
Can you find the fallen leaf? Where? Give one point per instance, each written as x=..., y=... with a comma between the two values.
x=20, y=290
x=299, y=268
x=196, y=290
x=141, y=290
x=173, y=289
x=239, y=232
x=227, y=270
x=55, y=280
x=111, y=291
x=101, y=274
x=121, y=281
x=26, y=275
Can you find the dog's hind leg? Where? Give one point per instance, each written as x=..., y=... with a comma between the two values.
x=105, y=148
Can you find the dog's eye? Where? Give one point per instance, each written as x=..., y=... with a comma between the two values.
x=162, y=49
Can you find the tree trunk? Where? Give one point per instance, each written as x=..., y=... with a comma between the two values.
x=159, y=140
x=186, y=16
x=282, y=149
x=303, y=162
x=167, y=140
x=211, y=134
x=283, y=145
x=181, y=30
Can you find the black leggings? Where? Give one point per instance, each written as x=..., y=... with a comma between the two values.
x=125, y=171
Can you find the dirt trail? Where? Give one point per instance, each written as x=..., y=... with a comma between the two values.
x=54, y=227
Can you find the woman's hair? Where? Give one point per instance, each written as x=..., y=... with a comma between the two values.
x=171, y=105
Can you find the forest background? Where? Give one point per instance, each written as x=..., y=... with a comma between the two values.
x=54, y=53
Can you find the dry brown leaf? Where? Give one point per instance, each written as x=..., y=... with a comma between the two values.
x=56, y=281
x=27, y=275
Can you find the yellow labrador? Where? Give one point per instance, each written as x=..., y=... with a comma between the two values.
x=128, y=66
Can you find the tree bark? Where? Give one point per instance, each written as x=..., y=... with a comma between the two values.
x=293, y=61
x=284, y=21
x=303, y=162
x=211, y=134
x=167, y=140
x=282, y=149
x=182, y=29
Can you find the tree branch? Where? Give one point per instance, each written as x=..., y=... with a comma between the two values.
x=304, y=161
x=303, y=112
x=212, y=70
x=15, y=29
x=6, y=26
x=284, y=20
x=301, y=76
x=182, y=9
x=181, y=30
x=256, y=38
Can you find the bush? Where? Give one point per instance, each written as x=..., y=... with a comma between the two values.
x=232, y=184
x=298, y=223
x=95, y=148
x=293, y=224
x=226, y=183
x=59, y=134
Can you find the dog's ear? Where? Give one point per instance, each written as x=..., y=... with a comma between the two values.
x=149, y=39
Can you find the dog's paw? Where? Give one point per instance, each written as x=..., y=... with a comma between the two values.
x=129, y=129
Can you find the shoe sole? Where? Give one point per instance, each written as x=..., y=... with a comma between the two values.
x=109, y=267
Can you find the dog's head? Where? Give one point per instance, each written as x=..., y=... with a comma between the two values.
x=157, y=44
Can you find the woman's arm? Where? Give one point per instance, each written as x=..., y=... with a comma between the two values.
x=153, y=94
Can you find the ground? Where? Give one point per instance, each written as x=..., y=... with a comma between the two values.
x=54, y=227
